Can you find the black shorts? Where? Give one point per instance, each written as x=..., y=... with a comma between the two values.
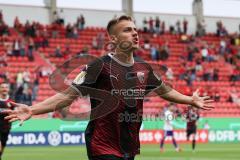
x=191, y=131
x=110, y=157
x=4, y=138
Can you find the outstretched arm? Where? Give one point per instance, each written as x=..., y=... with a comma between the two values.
x=58, y=101
x=195, y=100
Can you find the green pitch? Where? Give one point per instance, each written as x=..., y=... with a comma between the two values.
x=148, y=152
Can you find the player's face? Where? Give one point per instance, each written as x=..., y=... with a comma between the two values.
x=126, y=31
x=4, y=89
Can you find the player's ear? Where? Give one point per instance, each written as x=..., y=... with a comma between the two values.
x=113, y=38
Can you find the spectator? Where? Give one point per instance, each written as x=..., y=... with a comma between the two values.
x=68, y=52
x=204, y=53
x=154, y=52
x=35, y=84
x=26, y=75
x=94, y=43
x=157, y=25
x=198, y=66
x=3, y=61
x=18, y=95
x=146, y=45
x=69, y=31
x=75, y=32
x=191, y=52
x=9, y=49
x=163, y=27
x=207, y=74
x=31, y=47
x=169, y=74
x=27, y=97
x=164, y=52
x=1, y=16
x=223, y=46
x=145, y=25
x=172, y=29
x=81, y=22
x=17, y=24
x=4, y=29
x=100, y=40
x=216, y=96
x=185, y=26
x=235, y=76
x=45, y=72
x=22, y=47
x=178, y=27
x=45, y=36
x=58, y=52
x=16, y=47
x=219, y=27
x=150, y=23
x=83, y=51
x=19, y=80
x=215, y=74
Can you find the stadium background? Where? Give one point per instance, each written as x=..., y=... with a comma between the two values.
x=219, y=132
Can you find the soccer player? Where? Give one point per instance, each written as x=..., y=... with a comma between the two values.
x=116, y=84
x=168, y=127
x=192, y=116
x=5, y=126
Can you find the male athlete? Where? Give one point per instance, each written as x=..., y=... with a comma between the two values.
x=192, y=115
x=5, y=126
x=116, y=84
x=168, y=127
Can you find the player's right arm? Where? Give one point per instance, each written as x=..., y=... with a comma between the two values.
x=58, y=101
x=81, y=86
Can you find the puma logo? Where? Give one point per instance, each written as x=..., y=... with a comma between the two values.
x=115, y=77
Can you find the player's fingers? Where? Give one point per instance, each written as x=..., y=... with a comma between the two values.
x=10, y=117
x=209, y=101
x=6, y=111
x=209, y=106
x=197, y=91
x=206, y=98
x=15, y=104
x=13, y=119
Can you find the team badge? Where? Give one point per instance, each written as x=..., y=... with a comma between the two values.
x=80, y=78
x=140, y=76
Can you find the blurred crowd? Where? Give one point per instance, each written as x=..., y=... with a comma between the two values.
x=23, y=40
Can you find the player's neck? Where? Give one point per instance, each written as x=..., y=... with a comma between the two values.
x=4, y=97
x=123, y=57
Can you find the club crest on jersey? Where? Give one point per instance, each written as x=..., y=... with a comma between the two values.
x=9, y=104
x=140, y=76
x=80, y=78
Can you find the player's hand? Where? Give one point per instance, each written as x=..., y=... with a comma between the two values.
x=204, y=103
x=22, y=113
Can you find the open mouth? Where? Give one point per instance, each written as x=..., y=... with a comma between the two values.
x=135, y=41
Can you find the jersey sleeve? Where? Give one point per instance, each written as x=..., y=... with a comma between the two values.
x=87, y=78
x=153, y=82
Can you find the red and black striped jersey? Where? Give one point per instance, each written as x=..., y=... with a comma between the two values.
x=4, y=124
x=192, y=117
x=116, y=93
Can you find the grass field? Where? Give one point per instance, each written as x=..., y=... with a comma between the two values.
x=148, y=152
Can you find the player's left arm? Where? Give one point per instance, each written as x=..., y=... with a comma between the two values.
x=195, y=100
x=165, y=91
